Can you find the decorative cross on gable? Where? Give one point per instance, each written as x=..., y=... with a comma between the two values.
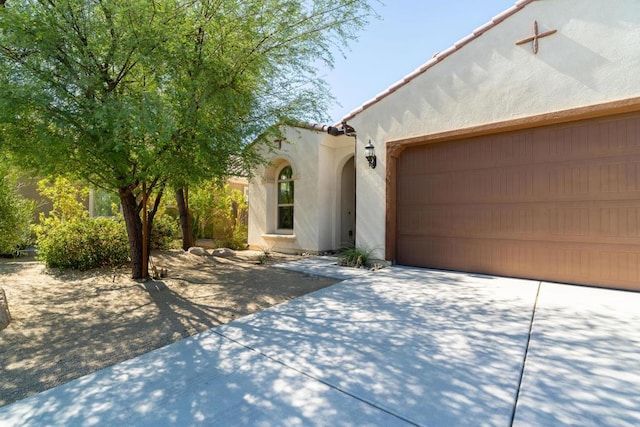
x=535, y=37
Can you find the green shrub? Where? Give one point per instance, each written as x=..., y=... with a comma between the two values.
x=236, y=241
x=68, y=238
x=355, y=257
x=219, y=214
x=16, y=213
x=82, y=244
x=165, y=232
x=68, y=199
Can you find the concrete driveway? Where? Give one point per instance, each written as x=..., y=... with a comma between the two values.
x=397, y=347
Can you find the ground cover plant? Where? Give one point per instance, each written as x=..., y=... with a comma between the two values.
x=355, y=256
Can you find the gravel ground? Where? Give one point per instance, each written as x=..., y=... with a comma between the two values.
x=68, y=324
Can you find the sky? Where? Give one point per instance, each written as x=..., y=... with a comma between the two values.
x=408, y=34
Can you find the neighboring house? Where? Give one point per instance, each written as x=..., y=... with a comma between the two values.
x=99, y=200
x=28, y=188
x=514, y=152
x=239, y=183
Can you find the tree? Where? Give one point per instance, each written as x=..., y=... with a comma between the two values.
x=133, y=95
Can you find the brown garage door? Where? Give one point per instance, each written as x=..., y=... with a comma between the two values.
x=558, y=203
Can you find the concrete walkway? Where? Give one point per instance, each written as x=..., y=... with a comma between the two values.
x=396, y=347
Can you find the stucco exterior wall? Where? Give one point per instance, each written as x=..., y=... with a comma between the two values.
x=592, y=59
x=313, y=156
x=335, y=152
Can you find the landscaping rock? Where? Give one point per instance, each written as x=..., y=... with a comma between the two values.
x=5, y=316
x=197, y=251
x=223, y=252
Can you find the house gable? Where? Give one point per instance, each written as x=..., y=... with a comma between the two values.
x=585, y=61
x=487, y=82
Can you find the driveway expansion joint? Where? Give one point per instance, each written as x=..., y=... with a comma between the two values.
x=314, y=378
x=526, y=353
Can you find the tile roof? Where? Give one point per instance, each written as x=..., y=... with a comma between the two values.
x=236, y=167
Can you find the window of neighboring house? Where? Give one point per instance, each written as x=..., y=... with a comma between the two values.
x=285, y=198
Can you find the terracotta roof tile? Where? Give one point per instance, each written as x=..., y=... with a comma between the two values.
x=463, y=41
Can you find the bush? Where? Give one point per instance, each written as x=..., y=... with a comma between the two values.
x=237, y=241
x=82, y=244
x=16, y=213
x=68, y=199
x=355, y=257
x=165, y=232
x=68, y=238
x=219, y=214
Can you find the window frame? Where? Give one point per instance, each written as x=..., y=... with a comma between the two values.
x=290, y=182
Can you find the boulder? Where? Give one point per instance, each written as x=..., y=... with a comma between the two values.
x=223, y=252
x=5, y=316
x=195, y=250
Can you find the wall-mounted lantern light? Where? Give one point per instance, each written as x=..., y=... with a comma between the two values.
x=370, y=154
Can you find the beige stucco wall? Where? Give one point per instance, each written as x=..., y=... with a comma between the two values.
x=314, y=157
x=592, y=59
x=335, y=152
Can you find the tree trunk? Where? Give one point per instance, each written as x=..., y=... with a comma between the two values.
x=182, y=199
x=132, y=219
x=134, y=231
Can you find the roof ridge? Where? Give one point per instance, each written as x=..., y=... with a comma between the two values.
x=439, y=56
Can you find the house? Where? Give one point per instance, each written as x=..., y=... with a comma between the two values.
x=304, y=200
x=514, y=152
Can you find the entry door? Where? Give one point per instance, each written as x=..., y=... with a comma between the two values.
x=348, y=205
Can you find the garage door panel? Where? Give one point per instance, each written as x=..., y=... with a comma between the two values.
x=559, y=203
x=515, y=149
x=597, y=179
x=582, y=140
x=576, y=142
x=594, y=222
x=567, y=262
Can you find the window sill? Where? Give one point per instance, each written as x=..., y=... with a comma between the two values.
x=284, y=237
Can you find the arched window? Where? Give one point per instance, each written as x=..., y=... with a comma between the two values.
x=285, y=199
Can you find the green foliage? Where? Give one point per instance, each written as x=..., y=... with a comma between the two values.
x=355, y=257
x=82, y=244
x=68, y=204
x=219, y=214
x=16, y=213
x=68, y=238
x=165, y=232
x=101, y=89
x=106, y=203
x=69, y=199
x=240, y=237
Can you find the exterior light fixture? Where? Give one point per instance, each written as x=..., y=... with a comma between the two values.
x=370, y=154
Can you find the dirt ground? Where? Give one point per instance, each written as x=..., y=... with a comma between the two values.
x=68, y=324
